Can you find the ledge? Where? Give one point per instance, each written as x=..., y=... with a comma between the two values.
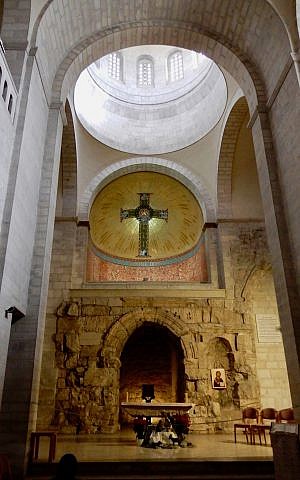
x=149, y=289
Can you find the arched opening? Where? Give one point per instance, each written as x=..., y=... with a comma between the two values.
x=202, y=22
x=10, y=104
x=152, y=355
x=4, y=91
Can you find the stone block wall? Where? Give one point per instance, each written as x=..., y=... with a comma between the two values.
x=250, y=290
x=86, y=335
x=91, y=335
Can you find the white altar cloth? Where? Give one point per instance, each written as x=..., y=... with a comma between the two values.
x=156, y=409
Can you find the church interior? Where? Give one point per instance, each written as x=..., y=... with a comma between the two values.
x=149, y=232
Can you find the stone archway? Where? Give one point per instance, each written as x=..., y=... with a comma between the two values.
x=160, y=363
x=153, y=164
x=113, y=345
x=226, y=157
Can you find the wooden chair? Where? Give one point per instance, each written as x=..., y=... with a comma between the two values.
x=265, y=418
x=35, y=445
x=249, y=415
x=286, y=415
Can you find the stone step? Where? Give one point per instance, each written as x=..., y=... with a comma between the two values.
x=163, y=470
x=168, y=477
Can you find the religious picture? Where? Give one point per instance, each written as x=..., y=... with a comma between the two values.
x=218, y=378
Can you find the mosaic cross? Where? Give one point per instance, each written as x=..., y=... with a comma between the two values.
x=143, y=213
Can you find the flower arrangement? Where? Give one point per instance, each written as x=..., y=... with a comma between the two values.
x=139, y=426
x=181, y=424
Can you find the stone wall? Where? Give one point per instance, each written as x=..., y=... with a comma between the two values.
x=83, y=382
x=90, y=339
x=250, y=290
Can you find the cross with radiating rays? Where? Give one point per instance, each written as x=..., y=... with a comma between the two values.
x=143, y=213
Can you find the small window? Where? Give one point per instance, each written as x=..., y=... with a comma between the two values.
x=115, y=65
x=145, y=72
x=10, y=103
x=4, y=92
x=175, y=66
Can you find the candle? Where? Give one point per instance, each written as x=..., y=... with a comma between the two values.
x=127, y=397
x=186, y=397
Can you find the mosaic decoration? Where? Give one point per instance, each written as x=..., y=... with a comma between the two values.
x=144, y=214
x=141, y=235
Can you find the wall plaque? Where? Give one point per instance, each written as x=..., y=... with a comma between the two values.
x=268, y=328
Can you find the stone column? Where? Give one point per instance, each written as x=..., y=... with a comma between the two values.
x=283, y=263
x=21, y=387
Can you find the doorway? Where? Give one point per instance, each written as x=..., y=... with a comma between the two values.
x=152, y=355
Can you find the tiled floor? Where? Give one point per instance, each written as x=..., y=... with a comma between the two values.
x=123, y=446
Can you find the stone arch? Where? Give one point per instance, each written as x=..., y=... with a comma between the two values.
x=159, y=165
x=68, y=168
x=259, y=276
x=121, y=330
x=224, y=54
x=115, y=340
x=286, y=12
x=201, y=30
x=246, y=56
x=226, y=157
x=221, y=344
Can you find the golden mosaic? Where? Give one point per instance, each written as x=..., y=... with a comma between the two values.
x=122, y=235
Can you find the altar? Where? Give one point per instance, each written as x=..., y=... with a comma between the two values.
x=155, y=409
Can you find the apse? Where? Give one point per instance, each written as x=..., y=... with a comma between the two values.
x=152, y=355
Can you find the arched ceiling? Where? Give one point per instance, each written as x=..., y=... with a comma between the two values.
x=156, y=23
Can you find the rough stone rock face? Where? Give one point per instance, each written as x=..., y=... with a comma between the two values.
x=89, y=345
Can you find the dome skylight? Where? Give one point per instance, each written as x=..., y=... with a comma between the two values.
x=150, y=99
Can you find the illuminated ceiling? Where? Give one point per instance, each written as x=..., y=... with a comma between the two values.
x=163, y=116
x=170, y=239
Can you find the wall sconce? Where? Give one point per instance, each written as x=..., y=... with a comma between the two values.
x=16, y=314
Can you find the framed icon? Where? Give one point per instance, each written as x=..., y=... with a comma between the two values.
x=218, y=378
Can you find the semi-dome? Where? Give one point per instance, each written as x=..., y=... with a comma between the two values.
x=145, y=217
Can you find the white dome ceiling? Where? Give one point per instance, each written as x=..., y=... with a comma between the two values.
x=150, y=99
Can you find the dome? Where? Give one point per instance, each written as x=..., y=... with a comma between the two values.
x=150, y=99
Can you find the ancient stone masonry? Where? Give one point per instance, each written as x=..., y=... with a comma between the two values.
x=249, y=253
x=91, y=336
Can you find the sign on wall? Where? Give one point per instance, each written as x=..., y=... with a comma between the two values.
x=268, y=328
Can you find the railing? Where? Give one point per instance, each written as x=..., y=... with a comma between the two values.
x=8, y=91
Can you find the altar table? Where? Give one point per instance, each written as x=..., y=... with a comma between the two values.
x=156, y=409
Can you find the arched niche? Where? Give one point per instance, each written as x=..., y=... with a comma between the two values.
x=152, y=355
x=220, y=354
x=148, y=164
x=109, y=355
